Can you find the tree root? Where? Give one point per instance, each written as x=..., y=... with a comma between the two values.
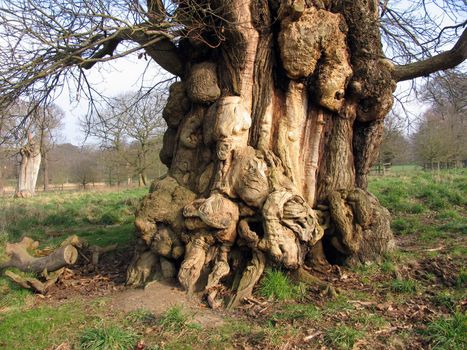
x=301, y=275
x=250, y=277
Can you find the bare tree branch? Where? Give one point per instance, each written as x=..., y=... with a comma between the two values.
x=445, y=60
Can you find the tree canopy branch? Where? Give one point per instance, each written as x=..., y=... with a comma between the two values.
x=445, y=60
x=157, y=45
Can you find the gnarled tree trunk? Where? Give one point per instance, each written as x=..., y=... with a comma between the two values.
x=280, y=119
x=29, y=169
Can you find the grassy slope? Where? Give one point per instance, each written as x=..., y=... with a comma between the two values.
x=100, y=217
x=379, y=306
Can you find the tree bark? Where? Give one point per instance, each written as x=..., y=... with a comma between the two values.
x=45, y=168
x=29, y=169
x=2, y=180
x=280, y=119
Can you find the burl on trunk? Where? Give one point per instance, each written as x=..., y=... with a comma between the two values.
x=271, y=136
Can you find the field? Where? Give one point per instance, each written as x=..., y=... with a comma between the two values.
x=414, y=299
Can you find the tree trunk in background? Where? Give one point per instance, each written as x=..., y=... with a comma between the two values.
x=2, y=181
x=271, y=137
x=29, y=169
x=45, y=168
x=142, y=181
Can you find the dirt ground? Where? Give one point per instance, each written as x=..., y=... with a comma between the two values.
x=369, y=295
x=108, y=279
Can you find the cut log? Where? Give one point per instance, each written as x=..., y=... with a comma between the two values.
x=75, y=241
x=21, y=259
x=26, y=282
x=33, y=283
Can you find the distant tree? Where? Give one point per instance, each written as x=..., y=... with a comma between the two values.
x=63, y=158
x=395, y=147
x=442, y=132
x=85, y=169
x=131, y=128
x=441, y=137
x=46, y=124
x=446, y=92
x=30, y=138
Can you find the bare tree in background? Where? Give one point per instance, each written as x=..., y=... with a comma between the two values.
x=46, y=124
x=441, y=134
x=131, y=127
x=279, y=109
x=34, y=137
x=85, y=168
x=395, y=147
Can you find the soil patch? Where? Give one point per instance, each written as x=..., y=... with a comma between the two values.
x=108, y=279
x=158, y=297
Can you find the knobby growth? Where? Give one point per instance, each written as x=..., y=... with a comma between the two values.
x=271, y=137
x=272, y=129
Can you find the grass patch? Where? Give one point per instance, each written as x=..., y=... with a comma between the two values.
x=461, y=280
x=337, y=305
x=51, y=217
x=342, y=337
x=429, y=204
x=141, y=316
x=176, y=319
x=276, y=285
x=403, y=286
x=41, y=327
x=368, y=320
x=446, y=299
x=298, y=312
x=448, y=333
x=406, y=226
x=107, y=338
x=388, y=266
x=12, y=296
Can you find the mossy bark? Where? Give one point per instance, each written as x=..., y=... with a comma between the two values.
x=280, y=119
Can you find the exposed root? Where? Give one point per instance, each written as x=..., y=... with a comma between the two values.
x=250, y=277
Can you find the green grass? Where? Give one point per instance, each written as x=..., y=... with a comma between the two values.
x=107, y=338
x=276, y=285
x=403, y=286
x=430, y=204
x=461, y=280
x=342, y=337
x=298, y=312
x=174, y=318
x=447, y=299
x=40, y=327
x=448, y=333
x=51, y=217
x=369, y=320
x=388, y=266
x=142, y=316
x=336, y=305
